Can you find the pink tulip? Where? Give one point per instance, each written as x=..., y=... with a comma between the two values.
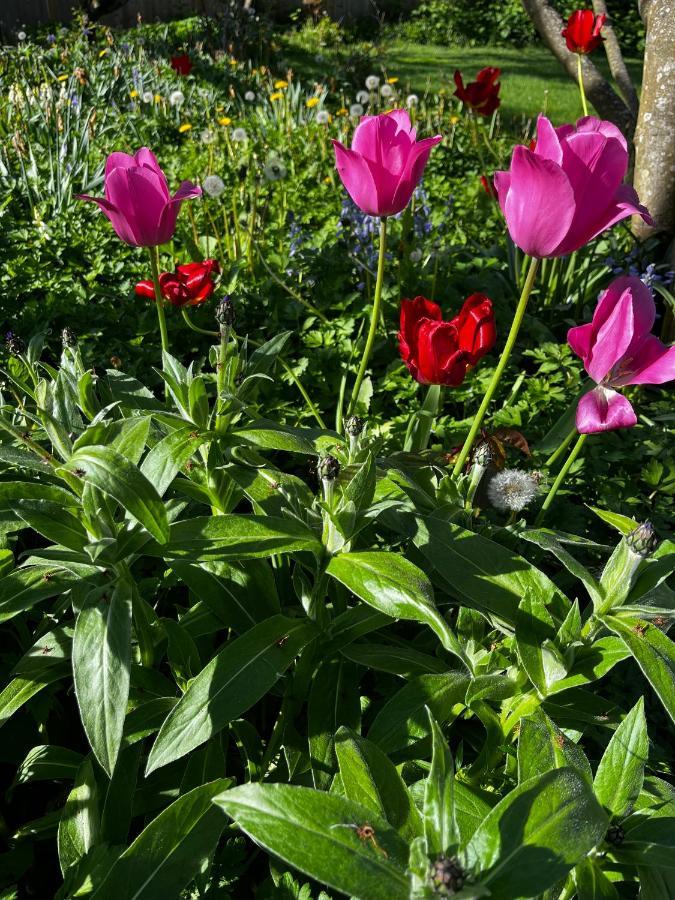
x=569, y=189
x=618, y=349
x=385, y=163
x=137, y=199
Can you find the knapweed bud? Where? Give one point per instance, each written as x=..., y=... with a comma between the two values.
x=68, y=337
x=643, y=540
x=615, y=835
x=225, y=312
x=14, y=344
x=328, y=468
x=354, y=426
x=447, y=875
x=482, y=455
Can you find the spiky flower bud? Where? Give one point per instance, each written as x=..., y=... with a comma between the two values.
x=615, y=835
x=447, y=875
x=354, y=426
x=225, y=312
x=328, y=468
x=643, y=540
x=481, y=454
x=14, y=344
x=512, y=489
x=68, y=337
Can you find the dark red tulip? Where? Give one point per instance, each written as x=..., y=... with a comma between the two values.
x=190, y=285
x=582, y=32
x=438, y=352
x=481, y=95
x=488, y=187
x=181, y=64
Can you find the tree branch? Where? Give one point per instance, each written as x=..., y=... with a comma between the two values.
x=617, y=64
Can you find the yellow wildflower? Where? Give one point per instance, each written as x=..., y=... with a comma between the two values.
x=184, y=127
x=219, y=108
x=280, y=84
x=225, y=121
x=133, y=94
x=104, y=51
x=392, y=80
x=158, y=98
x=454, y=120
x=277, y=96
x=233, y=62
x=343, y=111
x=327, y=180
x=311, y=102
x=62, y=78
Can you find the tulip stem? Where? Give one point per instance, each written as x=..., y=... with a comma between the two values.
x=580, y=78
x=561, y=477
x=159, y=300
x=191, y=324
x=564, y=444
x=375, y=317
x=501, y=365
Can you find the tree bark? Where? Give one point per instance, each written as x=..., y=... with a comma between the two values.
x=601, y=94
x=655, y=133
x=617, y=65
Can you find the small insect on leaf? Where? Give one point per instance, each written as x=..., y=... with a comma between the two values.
x=365, y=833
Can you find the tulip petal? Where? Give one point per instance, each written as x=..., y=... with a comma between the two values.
x=186, y=191
x=440, y=360
x=612, y=339
x=591, y=123
x=548, y=142
x=603, y=409
x=537, y=187
x=653, y=363
x=476, y=330
x=381, y=140
x=145, y=289
x=580, y=339
x=357, y=178
x=418, y=157
x=644, y=308
x=119, y=222
x=118, y=160
x=502, y=183
x=146, y=195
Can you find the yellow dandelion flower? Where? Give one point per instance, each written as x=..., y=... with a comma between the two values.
x=454, y=120
x=133, y=94
x=62, y=78
x=311, y=102
x=233, y=62
x=225, y=121
x=158, y=98
x=327, y=180
x=280, y=84
x=277, y=96
x=392, y=80
x=343, y=111
x=104, y=51
x=184, y=127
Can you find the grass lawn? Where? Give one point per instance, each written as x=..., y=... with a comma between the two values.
x=527, y=74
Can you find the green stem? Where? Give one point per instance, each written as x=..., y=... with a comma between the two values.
x=159, y=300
x=580, y=78
x=191, y=324
x=564, y=444
x=308, y=400
x=375, y=316
x=501, y=365
x=561, y=477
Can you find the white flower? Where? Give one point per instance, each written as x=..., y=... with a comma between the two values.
x=415, y=256
x=323, y=117
x=363, y=97
x=249, y=96
x=372, y=82
x=387, y=90
x=21, y=35
x=207, y=136
x=213, y=185
x=356, y=110
x=412, y=100
x=176, y=98
x=239, y=135
x=512, y=489
x=148, y=97
x=274, y=169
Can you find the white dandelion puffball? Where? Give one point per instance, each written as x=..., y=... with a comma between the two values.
x=412, y=100
x=148, y=97
x=512, y=489
x=239, y=135
x=415, y=255
x=249, y=96
x=213, y=185
x=274, y=169
x=372, y=82
x=207, y=136
x=21, y=35
x=176, y=98
x=356, y=110
x=323, y=117
x=363, y=97
x=387, y=90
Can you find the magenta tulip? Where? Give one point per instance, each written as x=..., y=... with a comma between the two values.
x=617, y=349
x=569, y=189
x=385, y=162
x=137, y=199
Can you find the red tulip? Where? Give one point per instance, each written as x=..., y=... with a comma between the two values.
x=438, y=352
x=481, y=95
x=488, y=187
x=189, y=285
x=181, y=64
x=582, y=33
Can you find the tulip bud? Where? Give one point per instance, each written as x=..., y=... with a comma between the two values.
x=643, y=540
x=14, y=344
x=225, y=312
x=447, y=875
x=68, y=337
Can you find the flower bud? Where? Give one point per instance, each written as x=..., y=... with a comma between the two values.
x=225, y=312
x=14, y=344
x=354, y=426
x=328, y=468
x=68, y=337
x=643, y=540
x=615, y=835
x=447, y=875
x=481, y=454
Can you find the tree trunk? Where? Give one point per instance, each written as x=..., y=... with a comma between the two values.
x=617, y=65
x=655, y=133
x=601, y=94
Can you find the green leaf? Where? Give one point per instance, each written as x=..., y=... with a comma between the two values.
x=653, y=652
x=403, y=719
x=542, y=746
x=118, y=806
x=620, y=773
x=45, y=762
x=370, y=779
x=535, y=631
x=23, y=588
x=536, y=834
x=182, y=653
x=101, y=659
x=333, y=701
x=623, y=524
x=20, y=690
x=113, y=474
x=53, y=522
x=272, y=436
x=402, y=661
x=168, y=456
x=591, y=663
x=393, y=585
x=440, y=827
x=79, y=823
x=547, y=541
x=169, y=852
x=317, y=834
x=592, y=883
x=231, y=683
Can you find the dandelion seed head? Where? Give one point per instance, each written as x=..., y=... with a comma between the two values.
x=176, y=98
x=387, y=90
x=512, y=489
x=239, y=135
x=356, y=110
x=363, y=97
x=412, y=100
x=249, y=96
x=323, y=117
x=213, y=185
x=372, y=82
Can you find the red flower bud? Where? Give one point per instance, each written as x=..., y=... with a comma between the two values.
x=190, y=285
x=438, y=352
x=481, y=95
x=181, y=64
x=582, y=32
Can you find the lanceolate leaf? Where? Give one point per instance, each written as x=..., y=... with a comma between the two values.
x=80, y=821
x=543, y=746
x=25, y=587
x=619, y=776
x=230, y=684
x=317, y=833
x=101, y=658
x=440, y=827
x=333, y=701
